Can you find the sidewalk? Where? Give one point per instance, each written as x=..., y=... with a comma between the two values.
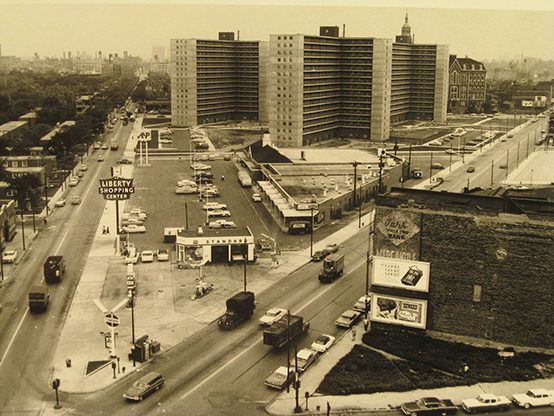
x=17, y=245
x=285, y=403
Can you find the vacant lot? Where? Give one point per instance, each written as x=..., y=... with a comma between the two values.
x=233, y=139
x=416, y=361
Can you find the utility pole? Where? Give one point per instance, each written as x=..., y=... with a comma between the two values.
x=492, y=173
x=245, y=257
x=431, y=168
x=46, y=190
x=288, y=351
x=507, y=161
x=186, y=216
x=381, y=165
x=312, y=231
x=298, y=408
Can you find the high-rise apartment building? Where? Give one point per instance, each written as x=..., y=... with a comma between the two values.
x=419, y=86
x=216, y=80
x=327, y=86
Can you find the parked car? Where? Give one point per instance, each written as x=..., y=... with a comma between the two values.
x=60, y=203
x=104, y=146
x=304, y=358
x=331, y=248
x=209, y=193
x=163, y=254
x=187, y=182
x=319, y=255
x=100, y=158
x=165, y=141
x=437, y=166
x=256, y=197
x=279, y=378
x=219, y=213
x=503, y=166
x=125, y=161
x=73, y=181
x=486, y=403
x=144, y=386
x=200, y=166
x=348, y=318
x=510, y=135
x=322, y=343
x=80, y=173
x=133, y=228
x=222, y=224
x=360, y=304
x=9, y=256
x=83, y=167
x=450, y=151
x=147, y=256
x=96, y=146
x=227, y=157
x=138, y=212
x=213, y=205
x=429, y=406
x=471, y=169
x=534, y=398
x=185, y=190
x=132, y=220
x=127, y=215
x=272, y=315
x=75, y=200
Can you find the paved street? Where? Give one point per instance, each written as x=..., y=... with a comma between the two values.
x=29, y=341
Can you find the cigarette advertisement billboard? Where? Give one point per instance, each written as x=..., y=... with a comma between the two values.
x=401, y=273
x=399, y=311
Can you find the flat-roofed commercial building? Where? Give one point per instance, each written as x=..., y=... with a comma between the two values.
x=218, y=80
x=419, y=86
x=327, y=86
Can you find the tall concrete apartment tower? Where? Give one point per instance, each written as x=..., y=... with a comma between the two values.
x=328, y=86
x=217, y=80
x=419, y=88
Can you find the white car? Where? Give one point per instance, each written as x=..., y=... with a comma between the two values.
x=9, y=256
x=73, y=181
x=485, y=403
x=133, y=228
x=304, y=358
x=200, y=166
x=138, y=211
x=104, y=146
x=534, y=398
x=147, y=256
x=165, y=141
x=185, y=190
x=219, y=213
x=322, y=343
x=75, y=200
x=187, y=182
x=96, y=146
x=222, y=224
x=163, y=255
x=127, y=215
x=360, y=304
x=60, y=203
x=256, y=198
x=213, y=205
x=272, y=316
x=278, y=379
x=100, y=158
x=132, y=220
x=83, y=167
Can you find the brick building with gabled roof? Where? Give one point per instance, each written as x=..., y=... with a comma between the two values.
x=467, y=85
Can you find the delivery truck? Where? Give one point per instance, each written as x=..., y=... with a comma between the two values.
x=240, y=308
x=333, y=267
x=54, y=269
x=286, y=329
x=38, y=298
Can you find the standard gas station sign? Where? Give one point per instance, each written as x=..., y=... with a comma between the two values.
x=116, y=188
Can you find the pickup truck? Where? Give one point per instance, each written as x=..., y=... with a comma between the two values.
x=285, y=330
x=429, y=406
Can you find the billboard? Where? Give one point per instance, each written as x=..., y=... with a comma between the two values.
x=396, y=233
x=400, y=273
x=399, y=311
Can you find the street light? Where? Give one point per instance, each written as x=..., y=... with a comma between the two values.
x=355, y=164
x=311, y=231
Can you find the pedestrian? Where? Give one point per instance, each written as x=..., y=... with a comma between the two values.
x=108, y=229
x=366, y=324
x=103, y=229
x=123, y=370
x=353, y=333
x=222, y=177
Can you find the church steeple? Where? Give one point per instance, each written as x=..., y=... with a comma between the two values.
x=406, y=36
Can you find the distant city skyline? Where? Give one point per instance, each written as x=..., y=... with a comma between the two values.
x=51, y=29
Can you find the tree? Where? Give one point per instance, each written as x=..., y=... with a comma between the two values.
x=26, y=187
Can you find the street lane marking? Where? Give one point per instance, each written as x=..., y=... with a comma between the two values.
x=88, y=189
x=236, y=357
x=13, y=337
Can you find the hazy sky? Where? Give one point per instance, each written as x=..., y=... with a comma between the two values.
x=508, y=28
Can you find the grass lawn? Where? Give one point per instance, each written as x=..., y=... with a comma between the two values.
x=422, y=362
